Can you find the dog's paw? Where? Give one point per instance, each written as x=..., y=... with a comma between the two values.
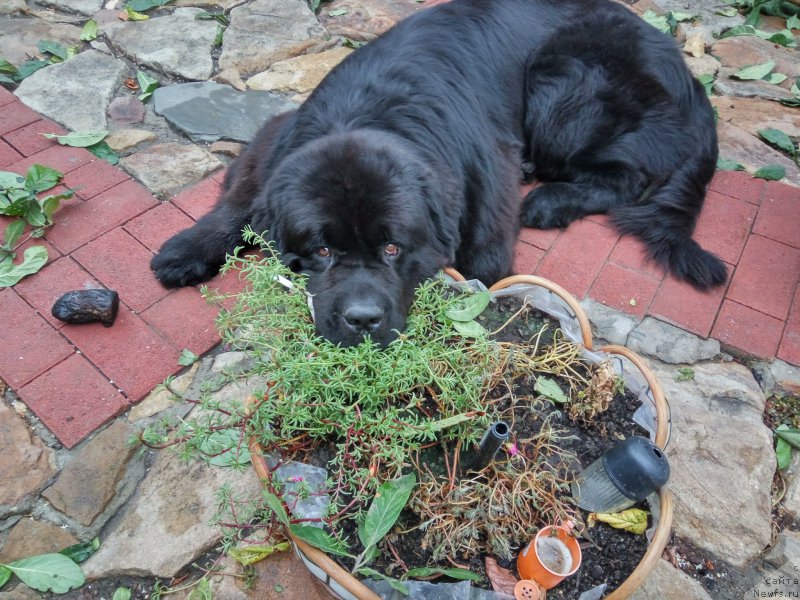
x=179, y=269
x=537, y=214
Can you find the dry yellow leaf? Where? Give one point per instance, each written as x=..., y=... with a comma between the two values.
x=695, y=45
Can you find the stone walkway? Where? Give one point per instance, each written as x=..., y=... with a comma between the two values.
x=74, y=395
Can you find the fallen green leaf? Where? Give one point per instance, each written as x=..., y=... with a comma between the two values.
x=89, y=31
x=724, y=164
x=10, y=180
x=776, y=78
x=147, y=85
x=727, y=12
x=278, y=588
x=33, y=259
x=29, y=67
x=78, y=139
x=48, y=573
x=54, y=48
x=104, y=151
x=770, y=172
x=13, y=232
x=790, y=435
x=783, y=453
x=7, y=67
x=633, y=520
x=247, y=555
x=142, y=5
x=550, y=390
x=80, y=552
x=685, y=374
x=135, y=15
x=708, y=83
x=5, y=575
x=121, y=593
x=779, y=139
x=449, y=422
x=338, y=12
x=754, y=71
x=40, y=178
x=187, y=357
x=657, y=21
x=793, y=22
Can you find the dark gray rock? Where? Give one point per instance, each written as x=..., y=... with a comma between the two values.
x=207, y=112
x=87, y=306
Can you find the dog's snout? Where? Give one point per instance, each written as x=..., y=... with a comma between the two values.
x=363, y=317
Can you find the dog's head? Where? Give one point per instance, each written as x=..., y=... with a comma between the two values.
x=366, y=219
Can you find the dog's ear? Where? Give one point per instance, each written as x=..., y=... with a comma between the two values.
x=439, y=196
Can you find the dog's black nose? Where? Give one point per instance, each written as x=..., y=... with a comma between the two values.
x=363, y=317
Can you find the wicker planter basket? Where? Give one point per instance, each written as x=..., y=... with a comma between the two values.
x=550, y=298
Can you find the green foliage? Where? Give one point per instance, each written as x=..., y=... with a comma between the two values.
x=147, y=85
x=780, y=140
x=89, y=31
x=685, y=374
x=45, y=572
x=782, y=38
x=454, y=573
x=144, y=5
x=80, y=552
x=667, y=23
x=725, y=164
x=786, y=438
x=770, y=172
x=18, y=199
x=550, y=389
x=187, y=358
x=122, y=593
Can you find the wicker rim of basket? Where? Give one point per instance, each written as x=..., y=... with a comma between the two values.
x=664, y=527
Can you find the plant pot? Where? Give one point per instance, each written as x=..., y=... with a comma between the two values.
x=653, y=415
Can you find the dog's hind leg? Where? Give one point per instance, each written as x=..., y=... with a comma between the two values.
x=557, y=204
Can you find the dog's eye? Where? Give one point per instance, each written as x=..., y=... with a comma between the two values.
x=323, y=251
x=391, y=249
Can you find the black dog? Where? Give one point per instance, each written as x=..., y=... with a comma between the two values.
x=407, y=157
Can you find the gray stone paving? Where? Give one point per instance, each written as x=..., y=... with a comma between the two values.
x=152, y=510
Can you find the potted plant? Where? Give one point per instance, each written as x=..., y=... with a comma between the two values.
x=395, y=426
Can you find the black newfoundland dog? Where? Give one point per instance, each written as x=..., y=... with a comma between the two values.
x=408, y=157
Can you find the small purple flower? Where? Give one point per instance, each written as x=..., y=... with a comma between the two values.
x=512, y=449
x=295, y=478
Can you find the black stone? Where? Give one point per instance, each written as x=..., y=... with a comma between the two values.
x=87, y=306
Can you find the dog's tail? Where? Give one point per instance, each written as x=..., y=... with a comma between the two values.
x=665, y=219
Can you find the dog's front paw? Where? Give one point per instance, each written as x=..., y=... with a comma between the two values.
x=178, y=268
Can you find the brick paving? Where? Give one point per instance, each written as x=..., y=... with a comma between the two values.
x=107, y=234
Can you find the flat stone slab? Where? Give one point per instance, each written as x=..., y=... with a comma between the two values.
x=721, y=460
x=156, y=42
x=87, y=483
x=300, y=74
x=738, y=145
x=77, y=92
x=665, y=582
x=365, y=20
x=166, y=525
x=166, y=167
x=669, y=343
x=753, y=115
x=266, y=31
x=83, y=7
x=207, y=112
x=21, y=36
x=26, y=464
x=30, y=537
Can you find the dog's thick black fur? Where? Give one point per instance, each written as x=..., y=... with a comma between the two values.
x=407, y=157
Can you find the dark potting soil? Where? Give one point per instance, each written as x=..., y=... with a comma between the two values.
x=609, y=555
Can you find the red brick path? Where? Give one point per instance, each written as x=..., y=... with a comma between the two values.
x=77, y=377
